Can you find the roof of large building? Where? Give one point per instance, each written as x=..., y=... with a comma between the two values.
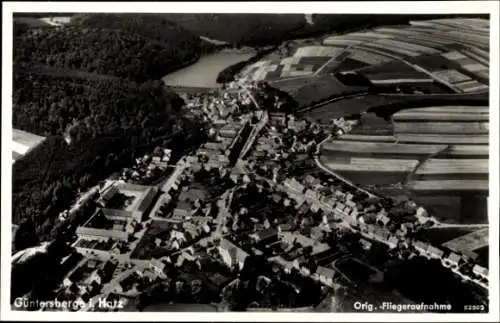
x=325, y=272
x=22, y=142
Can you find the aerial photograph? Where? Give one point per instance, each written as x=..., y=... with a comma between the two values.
x=229, y=162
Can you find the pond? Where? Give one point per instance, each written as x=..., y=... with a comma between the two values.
x=204, y=72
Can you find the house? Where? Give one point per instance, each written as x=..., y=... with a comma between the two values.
x=283, y=227
x=353, y=213
x=421, y=215
x=287, y=265
x=277, y=118
x=453, y=259
x=435, y=252
x=231, y=254
x=393, y=242
x=276, y=198
x=365, y=244
x=180, y=213
x=351, y=203
x=325, y=275
x=383, y=219
x=406, y=227
x=299, y=200
x=303, y=209
x=339, y=207
x=378, y=233
x=265, y=235
x=315, y=206
x=311, y=181
x=228, y=131
x=328, y=204
x=480, y=271
x=291, y=184
x=317, y=233
x=421, y=247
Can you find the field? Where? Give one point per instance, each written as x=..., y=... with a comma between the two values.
x=367, y=138
x=468, y=243
x=458, y=185
x=454, y=166
x=442, y=127
x=453, y=207
x=443, y=138
x=381, y=148
x=442, y=116
x=452, y=180
x=367, y=57
x=290, y=85
x=323, y=88
x=349, y=107
x=371, y=164
x=438, y=236
x=377, y=147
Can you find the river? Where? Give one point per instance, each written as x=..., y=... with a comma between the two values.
x=203, y=73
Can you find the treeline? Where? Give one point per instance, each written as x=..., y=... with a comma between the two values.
x=106, y=51
x=110, y=121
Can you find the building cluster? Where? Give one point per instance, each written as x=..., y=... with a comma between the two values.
x=223, y=147
x=296, y=222
x=149, y=167
x=122, y=208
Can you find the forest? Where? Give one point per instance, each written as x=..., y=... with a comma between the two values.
x=152, y=27
x=110, y=122
x=107, y=51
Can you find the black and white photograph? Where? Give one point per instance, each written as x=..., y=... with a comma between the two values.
x=164, y=160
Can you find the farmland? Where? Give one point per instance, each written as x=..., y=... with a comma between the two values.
x=443, y=139
x=446, y=173
x=449, y=185
x=468, y=243
x=442, y=127
x=454, y=166
x=376, y=147
x=438, y=236
x=322, y=88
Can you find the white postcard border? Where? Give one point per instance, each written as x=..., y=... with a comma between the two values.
x=410, y=7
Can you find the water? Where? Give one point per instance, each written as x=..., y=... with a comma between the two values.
x=204, y=72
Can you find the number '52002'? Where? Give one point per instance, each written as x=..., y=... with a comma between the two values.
x=474, y=308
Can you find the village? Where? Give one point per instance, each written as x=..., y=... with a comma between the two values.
x=191, y=225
